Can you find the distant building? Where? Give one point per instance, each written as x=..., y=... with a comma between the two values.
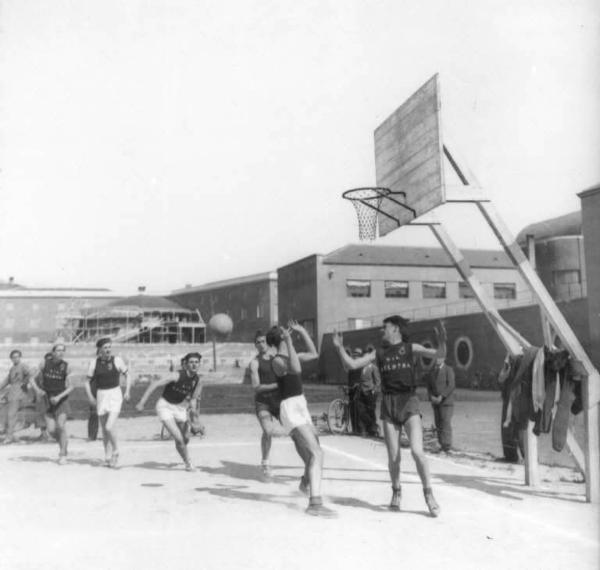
x=559, y=255
x=44, y=314
x=250, y=301
x=355, y=286
x=140, y=319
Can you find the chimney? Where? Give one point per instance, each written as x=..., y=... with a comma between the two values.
x=11, y=281
x=142, y=289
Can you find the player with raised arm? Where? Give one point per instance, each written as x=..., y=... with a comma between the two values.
x=104, y=373
x=396, y=361
x=266, y=396
x=294, y=414
x=55, y=388
x=178, y=396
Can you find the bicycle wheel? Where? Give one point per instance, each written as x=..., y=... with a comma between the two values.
x=337, y=416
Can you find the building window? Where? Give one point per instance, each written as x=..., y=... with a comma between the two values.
x=355, y=324
x=259, y=312
x=465, y=291
x=434, y=290
x=567, y=277
x=463, y=352
x=505, y=291
x=396, y=289
x=358, y=288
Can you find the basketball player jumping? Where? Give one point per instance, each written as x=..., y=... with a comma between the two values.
x=400, y=404
x=294, y=414
x=266, y=396
x=172, y=407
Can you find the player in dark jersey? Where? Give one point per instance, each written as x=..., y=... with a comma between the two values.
x=103, y=388
x=400, y=403
x=294, y=415
x=178, y=397
x=52, y=383
x=266, y=396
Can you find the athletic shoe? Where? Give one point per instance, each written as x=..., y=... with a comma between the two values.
x=267, y=472
x=189, y=467
x=395, y=502
x=434, y=508
x=304, y=486
x=114, y=460
x=316, y=508
x=62, y=460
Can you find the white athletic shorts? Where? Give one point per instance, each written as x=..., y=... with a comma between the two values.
x=168, y=411
x=109, y=400
x=294, y=412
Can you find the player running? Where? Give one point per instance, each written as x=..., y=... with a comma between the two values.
x=294, y=414
x=177, y=397
x=266, y=396
x=55, y=388
x=400, y=403
x=104, y=373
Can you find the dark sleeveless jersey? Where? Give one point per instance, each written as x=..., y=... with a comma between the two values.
x=54, y=376
x=106, y=375
x=266, y=375
x=396, y=365
x=290, y=384
x=179, y=390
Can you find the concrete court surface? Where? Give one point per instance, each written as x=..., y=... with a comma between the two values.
x=150, y=513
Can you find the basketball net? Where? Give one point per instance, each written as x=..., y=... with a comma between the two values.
x=366, y=202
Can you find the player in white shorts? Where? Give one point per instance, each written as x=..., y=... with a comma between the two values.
x=105, y=372
x=294, y=414
x=179, y=398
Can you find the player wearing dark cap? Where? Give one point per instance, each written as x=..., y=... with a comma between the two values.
x=53, y=376
x=396, y=361
x=104, y=374
x=179, y=398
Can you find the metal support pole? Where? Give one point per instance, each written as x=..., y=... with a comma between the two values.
x=513, y=343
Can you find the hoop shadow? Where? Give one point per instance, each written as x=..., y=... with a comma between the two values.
x=157, y=465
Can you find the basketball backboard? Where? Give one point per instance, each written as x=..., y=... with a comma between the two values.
x=409, y=157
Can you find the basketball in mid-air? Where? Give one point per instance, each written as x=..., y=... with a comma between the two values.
x=220, y=324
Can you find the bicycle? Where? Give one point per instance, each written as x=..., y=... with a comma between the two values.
x=338, y=411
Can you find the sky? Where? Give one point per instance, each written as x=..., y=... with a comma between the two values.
x=164, y=143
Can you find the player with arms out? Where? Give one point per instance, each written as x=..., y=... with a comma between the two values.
x=294, y=415
x=55, y=388
x=266, y=396
x=105, y=373
x=396, y=361
x=178, y=396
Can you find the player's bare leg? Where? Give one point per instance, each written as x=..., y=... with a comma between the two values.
x=109, y=438
x=63, y=437
x=391, y=436
x=414, y=430
x=177, y=431
x=266, y=423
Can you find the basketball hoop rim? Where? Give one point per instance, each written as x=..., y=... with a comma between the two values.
x=380, y=192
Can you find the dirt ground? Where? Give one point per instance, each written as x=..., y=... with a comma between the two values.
x=150, y=513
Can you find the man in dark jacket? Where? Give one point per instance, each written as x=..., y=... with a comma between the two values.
x=441, y=387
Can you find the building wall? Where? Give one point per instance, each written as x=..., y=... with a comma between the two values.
x=337, y=307
x=590, y=208
x=560, y=263
x=39, y=319
x=251, y=305
x=298, y=294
